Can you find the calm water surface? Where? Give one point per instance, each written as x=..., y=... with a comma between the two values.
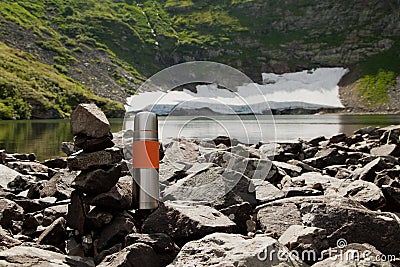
x=44, y=137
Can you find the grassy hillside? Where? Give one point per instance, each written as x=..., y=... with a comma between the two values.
x=97, y=50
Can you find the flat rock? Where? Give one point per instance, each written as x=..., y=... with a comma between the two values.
x=354, y=255
x=266, y=192
x=386, y=150
x=31, y=256
x=7, y=240
x=89, y=120
x=60, y=163
x=220, y=249
x=138, y=254
x=162, y=244
x=29, y=167
x=291, y=170
x=119, y=197
x=7, y=175
x=184, y=222
x=85, y=161
x=181, y=150
x=93, y=144
x=97, y=181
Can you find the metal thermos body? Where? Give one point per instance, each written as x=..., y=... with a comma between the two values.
x=145, y=161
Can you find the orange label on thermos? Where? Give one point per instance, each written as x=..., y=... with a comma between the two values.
x=146, y=154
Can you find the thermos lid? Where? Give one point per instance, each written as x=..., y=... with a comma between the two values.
x=146, y=125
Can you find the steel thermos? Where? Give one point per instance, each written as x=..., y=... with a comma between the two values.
x=145, y=161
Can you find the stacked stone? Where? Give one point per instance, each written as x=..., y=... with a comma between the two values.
x=101, y=192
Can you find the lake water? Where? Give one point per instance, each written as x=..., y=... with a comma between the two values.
x=44, y=137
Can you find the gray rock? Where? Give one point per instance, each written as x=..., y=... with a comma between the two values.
x=119, y=197
x=303, y=239
x=326, y=157
x=220, y=249
x=97, y=181
x=386, y=150
x=290, y=169
x=316, y=140
x=337, y=138
x=31, y=256
x=277, y=217
x=93, y=144
x=368, y=172
x=181, y=150
x=54, y=234
x=354, y=255
x=89, y=120
x=86, y=161
x=9, y=211
x=219, y=187
x=77, y=211
x=59, y=185
x=30, y=168
x=266, y=192
x=313, y=180
x=114, y=232
x=136, y=255
x=344, y=218
x=21, y=183
x=7, y=175
x=162, y=244
x=50, y=214
x=366, y=193
x=60, y=163
x=184, y=222
x=7, y=240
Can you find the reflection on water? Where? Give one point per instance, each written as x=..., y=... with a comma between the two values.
x=44, y=137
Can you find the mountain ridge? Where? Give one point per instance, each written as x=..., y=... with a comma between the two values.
x=109, y=47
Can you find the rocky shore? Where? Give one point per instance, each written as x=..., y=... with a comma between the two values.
x=321, y=202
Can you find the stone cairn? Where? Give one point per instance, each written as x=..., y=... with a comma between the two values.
x=103, y=187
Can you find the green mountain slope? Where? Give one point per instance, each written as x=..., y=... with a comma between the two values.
x=108, y=47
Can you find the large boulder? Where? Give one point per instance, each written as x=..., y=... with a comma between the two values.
x=221, y=249
x=340, y=217
x=89, y=120
x=32, y=256
x=186, y=222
